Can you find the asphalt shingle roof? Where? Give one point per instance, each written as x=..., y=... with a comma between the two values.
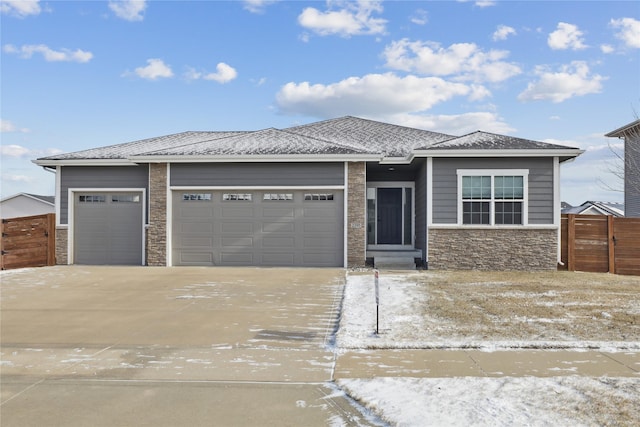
x=490, y=141
x=342, y=136
x=384, y=138
x=122, y=151
x=265, y=142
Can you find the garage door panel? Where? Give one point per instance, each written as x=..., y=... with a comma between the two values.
x=318, y=227
x=275, y=227
x=195, y=211
x=196, y=258
x=320, y=212
x=277, y=259
x=279, y=242
x=195, y=242
x=239, y=242
x=320, y=259
x=238, y=212
x=318, y=242
x=237, y=258
x=278, y=213
x=237, y=227
x=269, y=229
x=196, y=227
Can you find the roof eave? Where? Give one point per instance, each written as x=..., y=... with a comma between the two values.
x=555, y=152
x=621, y=132
x=254, y=158
x=83, y=162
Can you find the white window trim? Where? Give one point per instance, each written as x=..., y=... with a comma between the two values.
x=493, y=173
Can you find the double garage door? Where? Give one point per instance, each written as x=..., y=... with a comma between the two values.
x=258, y=228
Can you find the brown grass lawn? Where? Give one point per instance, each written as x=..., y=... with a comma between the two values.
x=562, y=306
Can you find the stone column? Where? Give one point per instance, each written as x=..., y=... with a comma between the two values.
x=157, y=231
x=356, y=214
x=62, y=241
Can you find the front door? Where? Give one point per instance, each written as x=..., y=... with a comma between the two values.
x=389, y=216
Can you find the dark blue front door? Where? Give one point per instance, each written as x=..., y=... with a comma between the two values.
x=389, y=216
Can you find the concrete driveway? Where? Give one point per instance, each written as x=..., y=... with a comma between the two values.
x=107, y=346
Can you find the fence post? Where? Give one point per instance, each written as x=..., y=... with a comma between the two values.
x=612, y=244
x=51, y=239
x=571, y=242
x=2, y=245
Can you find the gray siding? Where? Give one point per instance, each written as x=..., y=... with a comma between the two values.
x=421, y=209
x=445, y=185
x=99, y=177
x=632, y=175
x=256, y=174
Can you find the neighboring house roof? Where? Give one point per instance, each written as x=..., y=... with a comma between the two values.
x=342, y=138
x=596, y=208
x=622, y=131
x=25, y=204
x=49, y=200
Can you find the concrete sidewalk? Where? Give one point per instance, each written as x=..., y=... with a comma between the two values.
x=476, y=363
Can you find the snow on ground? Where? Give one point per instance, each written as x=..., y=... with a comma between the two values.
x=557, y=401
x=469, y=401
x=402, y=322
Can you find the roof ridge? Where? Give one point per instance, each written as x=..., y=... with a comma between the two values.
x=336, y=144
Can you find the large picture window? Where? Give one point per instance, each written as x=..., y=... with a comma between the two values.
x=492, y=197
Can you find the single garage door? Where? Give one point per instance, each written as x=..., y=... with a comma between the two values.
x=259, y=228
x=108, y=228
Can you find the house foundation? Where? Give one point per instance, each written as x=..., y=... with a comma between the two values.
x=524, y=249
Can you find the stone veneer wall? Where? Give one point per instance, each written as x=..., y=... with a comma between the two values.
x=62, y=239
x=493, y=249
x=157, y=230
x=356, y=214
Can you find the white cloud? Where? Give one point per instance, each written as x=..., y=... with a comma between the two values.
x=629, y=31
x=570, y=81
x=50, y=55
x=224, y=74
x=503, y=32
x=155, y=69
x=20, y=8
x=480, y=3
x=567, y=36
x=257, y=6
x=464, y=61
x=353, y=18
x=13, y=150
x=18, y=178
x=420, y=17
x=459, y=124
x=18, y=151
x=129, y=10
x=8, y=126
x=373, y=94
x=606, y=48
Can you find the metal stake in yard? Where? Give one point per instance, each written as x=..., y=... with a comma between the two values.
x=377, y=298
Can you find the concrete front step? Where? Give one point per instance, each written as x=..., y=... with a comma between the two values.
x=395, y=263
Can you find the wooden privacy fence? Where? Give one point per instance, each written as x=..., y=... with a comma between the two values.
x=600, y=243
x=28, y=241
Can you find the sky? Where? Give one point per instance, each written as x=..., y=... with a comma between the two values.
x=83, y=74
